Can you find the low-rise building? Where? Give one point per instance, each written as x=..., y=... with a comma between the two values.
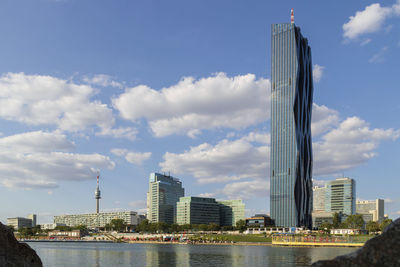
x=51, y=226
x=231, y=211
x=371, y=210
x=320, y=217
x=345, y=231
x=259, y=221
x=58, y=233
x=98, y=220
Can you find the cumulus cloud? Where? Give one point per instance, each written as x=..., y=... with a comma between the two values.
x=246, y=189
x=42, y=159
x=121, y=132
x=318, y=71
x=226, y=161
x=135, y=158
x=369, y=20
x=194, y=105
x=103, y=80
x=349, y=145
x=45, y=100
x=323, y=119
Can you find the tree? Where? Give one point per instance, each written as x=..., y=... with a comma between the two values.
x=63, y=228
x=354, y=221
x=81, y=227
x=325, y=226
x=385, y=224
x=336, y=220
x=372, y=227
x=25, y=232
x=213, y=227
x=118, y=225
x=241, y=225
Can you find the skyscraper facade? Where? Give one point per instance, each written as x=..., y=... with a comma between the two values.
x=341, y=196
x=371, y=210
x=291, y=146
x=164, y=193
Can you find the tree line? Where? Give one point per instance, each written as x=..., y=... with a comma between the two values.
x=354, y=221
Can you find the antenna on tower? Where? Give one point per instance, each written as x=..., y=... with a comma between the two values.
x=97, y=193
x=292, y=16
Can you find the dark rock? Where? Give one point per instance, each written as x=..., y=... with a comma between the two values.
x=383, y=250
x=14, y=253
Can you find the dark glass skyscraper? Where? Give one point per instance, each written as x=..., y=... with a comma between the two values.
x=291, y=146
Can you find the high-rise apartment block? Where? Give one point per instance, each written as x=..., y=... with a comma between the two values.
x=371, y=210
x=291, y=146
x=164, y=193
x=341, y=196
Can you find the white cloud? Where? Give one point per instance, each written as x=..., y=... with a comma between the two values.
x=136, y=158
x=323, y=119
x=379, y=56
x=45, y=100
x=121, y=132
x=207, y=195
x=318, y=71
x=194, y=105
x=365, y=42
x=226, y=161
x=103, y=80
x=350, y=144
x=139, y=206
x=246, y=189
x=40, y=160
x=367, y=21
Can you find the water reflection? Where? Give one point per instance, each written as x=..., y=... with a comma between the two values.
x=103, y=254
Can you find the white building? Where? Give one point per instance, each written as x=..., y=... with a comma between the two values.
x=371, y=210
x=19, y=222
x=97, y=220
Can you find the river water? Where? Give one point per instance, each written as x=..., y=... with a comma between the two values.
x=123, y=254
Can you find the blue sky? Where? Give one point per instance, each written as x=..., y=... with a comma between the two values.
x=133, y=87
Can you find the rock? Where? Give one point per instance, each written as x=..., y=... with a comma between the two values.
x=383, y=250
x=14, y=253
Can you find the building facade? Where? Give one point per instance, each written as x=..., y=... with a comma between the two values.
x=197, y=210
x=319, y=198
x=372, y=210
x=97, y=220
x=291, y=146
x=19, y=222
x=340, y=196
x=259, y=221
x=231, y=212
x=164, y=193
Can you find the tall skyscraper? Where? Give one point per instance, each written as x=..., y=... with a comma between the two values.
x=164, y=193
x=291, y=146
x=340, y=196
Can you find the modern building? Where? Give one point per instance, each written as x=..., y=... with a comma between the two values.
x=98, y=220
x=164, y=193
x=51, y=226
x=198, y=210
x=33, y=218
x=319, y=198
x=259, y=221
x=320, y=217
x=231, y=211
x=371, y=210
x=19, y=222
x=291, y=146
x=340, y=196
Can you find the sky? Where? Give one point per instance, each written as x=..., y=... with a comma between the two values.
x=183, y=87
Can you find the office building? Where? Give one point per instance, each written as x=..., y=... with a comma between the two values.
x=98, y=220
x=371, y=210
x=259, y=221
x=319, y=198
x=19, y=222
x=340, y=196
x=198, y=210
x=321, y=217
x=231, y=212
x=33, y=218
x=291, y=146
x=164, y=193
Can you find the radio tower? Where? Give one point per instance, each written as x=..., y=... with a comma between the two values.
x=97, y=194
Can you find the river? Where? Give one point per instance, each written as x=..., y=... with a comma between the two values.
x=123, y=254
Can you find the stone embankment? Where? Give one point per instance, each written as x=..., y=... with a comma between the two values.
x=14, y=253
x=383, y=250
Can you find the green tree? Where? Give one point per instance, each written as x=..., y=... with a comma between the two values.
x=63, y=228
x=325, y=226
x=385, y=224
x=118, y=225
x=372, y=227
x=25, y=232
x=336, y=220
x=241, y=225
x=213, y=227
x=354, y=221
x=81, y=227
